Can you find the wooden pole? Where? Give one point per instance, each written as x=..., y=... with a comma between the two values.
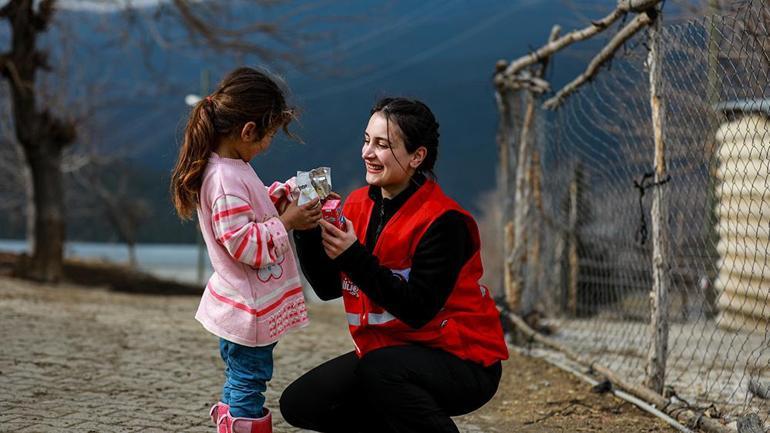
x=511, y=298
x=517, y=259
x=573, y=258
x=557, y=276
x=714, y=38
x=505, y=130
x=536, y=223
x=713, y=92
x=656, y=357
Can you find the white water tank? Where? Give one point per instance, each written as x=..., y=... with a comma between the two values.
x=743, y=212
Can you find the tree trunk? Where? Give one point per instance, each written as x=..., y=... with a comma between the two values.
x=48, y=252
x=131, y=245
x=42, y=136
x=29, y=207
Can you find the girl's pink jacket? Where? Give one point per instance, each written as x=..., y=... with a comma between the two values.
x=255, y=294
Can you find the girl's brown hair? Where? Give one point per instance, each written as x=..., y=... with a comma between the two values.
x=245, y=95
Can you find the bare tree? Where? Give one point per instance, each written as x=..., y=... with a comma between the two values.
x=41, y=134
x=44, y=135
x=11, y=157
x=123, y=212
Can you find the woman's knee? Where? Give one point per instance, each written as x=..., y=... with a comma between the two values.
x=317, y=396
x=292, y=406
x=380, y=369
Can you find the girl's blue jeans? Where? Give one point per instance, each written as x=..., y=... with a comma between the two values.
x=247, y=371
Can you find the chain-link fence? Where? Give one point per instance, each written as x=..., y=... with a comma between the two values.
x=589, y=233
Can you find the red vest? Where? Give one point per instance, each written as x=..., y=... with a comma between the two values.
x=468, y=326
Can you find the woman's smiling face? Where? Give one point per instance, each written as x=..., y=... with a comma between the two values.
x=385, y=156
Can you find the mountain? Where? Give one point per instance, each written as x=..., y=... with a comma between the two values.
x=442, y=52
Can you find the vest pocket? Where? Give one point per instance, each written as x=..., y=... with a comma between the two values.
x=451, y=336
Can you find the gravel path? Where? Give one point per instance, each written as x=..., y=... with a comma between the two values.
x=76, y=359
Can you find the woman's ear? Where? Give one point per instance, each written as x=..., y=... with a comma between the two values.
x=249, y=132
x=418, y=157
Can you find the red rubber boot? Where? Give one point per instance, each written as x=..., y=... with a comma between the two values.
x=228, y=424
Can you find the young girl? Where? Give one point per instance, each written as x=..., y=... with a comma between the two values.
x=254, y=295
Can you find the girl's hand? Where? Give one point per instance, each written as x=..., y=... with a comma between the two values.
x=281, y=206
x=303, y=217
x=336, y=241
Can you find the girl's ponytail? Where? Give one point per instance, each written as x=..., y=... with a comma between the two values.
x=187, y=177
x=245, y=95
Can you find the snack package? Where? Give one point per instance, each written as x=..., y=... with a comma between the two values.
x=316, y=183
x=321, y=179
x=306, y=191
x=332, y=212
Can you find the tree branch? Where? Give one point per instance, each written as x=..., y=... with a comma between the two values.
x=524, y=80
x=61, y=132
x=570, y=38
x=637, y=6
x=235, y=38
x=608, y=52
x=41, y=60
x=5, y=58
x=7, y=10
x=512, y=77
x=9, y=69
x=45, y=12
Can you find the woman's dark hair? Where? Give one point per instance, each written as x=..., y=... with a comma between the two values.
x=417, y=124
x=244, y=95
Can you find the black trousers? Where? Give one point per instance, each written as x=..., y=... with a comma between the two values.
x=395, y=389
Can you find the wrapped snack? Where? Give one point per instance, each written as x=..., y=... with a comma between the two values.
x=321, y=178
x=316, y=183
x=332, y=212
x=306, y=191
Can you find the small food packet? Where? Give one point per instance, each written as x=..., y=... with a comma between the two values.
x=306, y=191
x=316, y=183
x=321, y=178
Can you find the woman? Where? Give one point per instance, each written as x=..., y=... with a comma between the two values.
x=428, y=341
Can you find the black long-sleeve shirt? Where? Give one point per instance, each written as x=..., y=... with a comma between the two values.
x=436, y=264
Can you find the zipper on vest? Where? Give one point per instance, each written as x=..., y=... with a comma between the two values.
x=381, y=222
x=395, y=215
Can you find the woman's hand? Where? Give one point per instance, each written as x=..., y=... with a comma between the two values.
x=303, y=217
x=336, y=241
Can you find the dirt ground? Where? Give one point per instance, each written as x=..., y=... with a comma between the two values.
x=75, y=359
